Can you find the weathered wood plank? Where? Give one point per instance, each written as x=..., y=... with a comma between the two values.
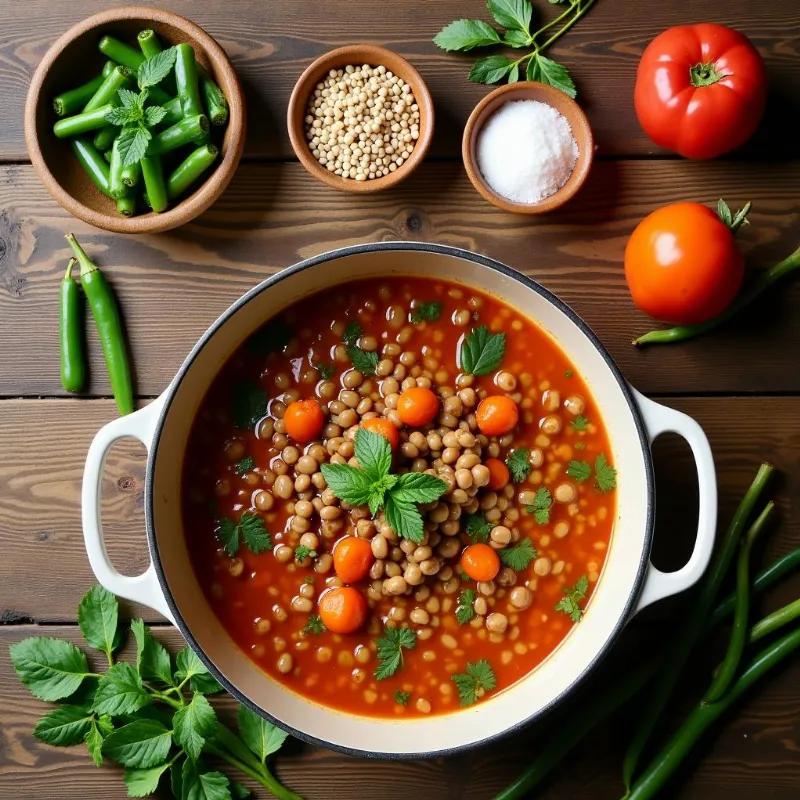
x=172, y=286
x=271, y=43
x=44, y=445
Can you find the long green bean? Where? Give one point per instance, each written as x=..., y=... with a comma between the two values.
x=115, y=184
x=93, y=163
x=693, y=627
x=131, y=174
x=126, y=205
x=186, y=173
x=132, y=59
x=151, y=46
x=104, y=138
x=107, y=92
x=155, y=187
x=174, y=113
x=190, y=130
x=186, y=80
x=70, y=333
x=772, y=622
x=78, y=124
x=74, y=100
x=216, y=104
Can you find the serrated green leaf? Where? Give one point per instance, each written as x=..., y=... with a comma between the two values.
x=132, y=143
x=465, y=34
x=98, y=617
x=94, y=740
x=260, y=735
x=481, y=351
x=193, y=724
x=491, y=69
x=724, y=212
x=128, y=98
x=123, y=116
x=152, y=658
x=51, y=668
x=143, y=782
x=156, y=68
x=63, y=726
x=141, y=744
x=120, y=691
x=579, y=470
x=404, y=519
x=198, y=785
x=364, y=361
x=239, y=791
x=191, y=667
x=348, y=483
x=516, y=38
x=418, y=487
x=547, y=71
x=513, y=76
x=373, y=453
x=154, y=114
x=512, y=14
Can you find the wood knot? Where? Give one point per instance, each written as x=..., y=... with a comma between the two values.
x=127, y=483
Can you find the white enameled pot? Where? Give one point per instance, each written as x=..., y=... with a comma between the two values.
x=628, y=582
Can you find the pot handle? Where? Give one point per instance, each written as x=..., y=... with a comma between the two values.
x=660, y=419
x=143, y=588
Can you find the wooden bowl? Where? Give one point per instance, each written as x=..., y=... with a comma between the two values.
x=358, y=54
x=565, y=105
x=75, y=59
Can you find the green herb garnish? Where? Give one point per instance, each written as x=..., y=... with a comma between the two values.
x=477, y=528
x=249, y=404
x=478, y=679
x=567, y=373
x=581, y=445
x=733, y=222
x=374, y=485
x=427, y=311
x=250, y=527
x=519, y=555
x=572, y=596
x=314, y=625
x=481, y=351
x=542, y=503
x=352, y=333
x=519, y=465
x=579, y=470
x=402, y=698
x=364, y=361
x=579, y=423
x=325, y=371
x=244, y=465
x=308, y=579
x=390, y=650
x=605, y=475
x=464, y=608
x=301, y=553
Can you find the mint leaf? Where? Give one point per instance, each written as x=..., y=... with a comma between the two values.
x=352, y=333
x=120, y=691
x=481, y=351
x=154, y=114
x=191, y=667
x=348, y=483
x=373, y=453
x=198, y=785
x=244, y=465
x=95, y=736
x=239, y=792
x=261, y=736
x=512, y=14
x=516, y=38
x=156, y=68
x=404, y=519
x=123, y=116
x=491, y=69
x=544, y=70
x=63, y=726
x=141, y=744
x=143, y=782
x=98, y=614
x=193, y=724
x=464, y=34
x=132, y=144
x=364, y=361
x=249, y=404
x=418, y=487
x=128, y=98
x=51, y=668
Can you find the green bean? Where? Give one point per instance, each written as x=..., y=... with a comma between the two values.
x=693, y=627
x=93, y=163
x=107, y=156
x=174, y=113
x=216, y=104
x=772, y=622
x=105, y=137
x=186, y=80
x=730, y=664
x=70, y=333
x=190, y=130
x=74, y=100
x=132, y=59
x=115, y=185
x=151, y=46
x=758, y=285
x=81, y=123
x=126, y=205
x=768, y=577
x=190, y=170
x=109, y=327
x=131, y=174
x=153, y=175
x=695, y=725
x=108, y=91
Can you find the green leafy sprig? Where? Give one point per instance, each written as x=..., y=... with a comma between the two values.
x=515, y=17
x=148, y=716
x=478, y=679
x=573, y=596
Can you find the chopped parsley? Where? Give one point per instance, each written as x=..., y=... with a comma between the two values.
x=429, y=312
x=250, y=528
x=572, y=596
x=519, y=465
x=402, y=698
x=477, y=528
x=390, y=650
x=249, y=404
x=244, y=465
x=352, y=333
x=301, y=553
x=605, y=475
x=464, y=577
x=478, y=679
x=464, y=610
x=540, y=507
x=567, y=373
x=579, y=470
x=308, y=579
x=325, y=371
x=581, y=445
x=364, y=361
x=314, y=626
x=520, y=555
x=579, y=423
x=481, y=351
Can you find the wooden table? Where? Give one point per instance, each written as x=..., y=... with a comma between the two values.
x=742, y=383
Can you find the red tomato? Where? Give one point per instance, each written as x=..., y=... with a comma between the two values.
x=682, y=264
x=303, y=420
x=700, y=90
x=496, y=415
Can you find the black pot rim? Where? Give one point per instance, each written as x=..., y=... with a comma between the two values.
x=483, y=261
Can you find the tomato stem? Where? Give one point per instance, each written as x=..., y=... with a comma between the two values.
x=705, y=75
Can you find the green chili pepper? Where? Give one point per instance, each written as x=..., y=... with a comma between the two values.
x=93, y=162
x=216, y=104
x=126, y=205
x=75, y=100
x=70, y=333
x=82, y=123
x=190, y=130
x=155, y=188
x=186, y=80
x=109, y=327
x=190, y=170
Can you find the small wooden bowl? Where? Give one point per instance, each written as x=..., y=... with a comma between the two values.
x=75, y=59
x=357, y=55
x=565, y=105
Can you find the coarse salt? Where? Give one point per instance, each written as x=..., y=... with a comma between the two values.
x=526, y=151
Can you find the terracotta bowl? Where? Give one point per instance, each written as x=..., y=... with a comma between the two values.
x=75, y=59
x=336, y=59
x=565, y=105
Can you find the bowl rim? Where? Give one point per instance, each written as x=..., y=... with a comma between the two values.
x=482, y=261
x=558, y=198
x=361, y=54
x=207, y=193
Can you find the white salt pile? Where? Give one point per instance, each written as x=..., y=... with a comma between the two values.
x=526, y=151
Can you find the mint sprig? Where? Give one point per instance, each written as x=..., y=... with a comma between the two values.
x=373, y=484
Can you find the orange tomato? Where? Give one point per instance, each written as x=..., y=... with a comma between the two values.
x=498, y=473
x=682, y=264
x=343, y=609
x=496, y=415
x=480, y=562
x=303, y=420
x=417, y=406
x=352, y=558
x=382, y=426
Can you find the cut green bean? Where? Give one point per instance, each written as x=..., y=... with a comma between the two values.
x=153, y=176
x=107, y=155
x=108, y=68
x=74, y=100
x=190, y=170
x=126, y=205
x=174, y=113
x=115, y=185
x=190, y=130
x=132, y=59
x=730, y=664
x=92, y=161
x=107, y=92
x=215, y=102
x=694, y=626
x=105, y=138
x=186, y=80
x=131, y=174
x=82, y=123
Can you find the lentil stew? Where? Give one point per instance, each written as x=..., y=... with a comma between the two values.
x=455, y=553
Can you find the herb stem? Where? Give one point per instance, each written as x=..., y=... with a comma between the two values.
x=581, y=11
x=555, y=21
x=165, y=698
x=262, y=775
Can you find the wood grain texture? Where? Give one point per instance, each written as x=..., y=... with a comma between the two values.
x=270, y=43
x=172, y=286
